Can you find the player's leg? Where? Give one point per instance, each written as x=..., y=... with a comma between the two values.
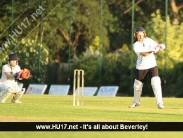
x=156, y=86
x=17, y=96
x=138, y=85
x=6, y=92
x=137, y=93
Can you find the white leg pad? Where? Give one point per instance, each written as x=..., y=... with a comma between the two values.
x=156, y=86
x=137, y=91
x=17, y=96
x=5, y=94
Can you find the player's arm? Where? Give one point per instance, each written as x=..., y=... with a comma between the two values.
x=159, y=47
x=142, y=51
x=12, y=76
x=9, y=75
x=156, y=46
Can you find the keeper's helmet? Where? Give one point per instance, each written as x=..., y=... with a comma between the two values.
x=139, y=29
x=12, y=57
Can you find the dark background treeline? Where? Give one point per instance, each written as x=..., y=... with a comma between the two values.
x=54, y=37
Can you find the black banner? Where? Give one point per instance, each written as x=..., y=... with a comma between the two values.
x=91, y=126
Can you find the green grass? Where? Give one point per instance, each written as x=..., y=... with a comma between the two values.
x=47, y=108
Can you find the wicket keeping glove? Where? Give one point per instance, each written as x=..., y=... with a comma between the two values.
x=25, y=74
x=16, y=75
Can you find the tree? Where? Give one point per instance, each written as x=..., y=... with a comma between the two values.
x=29, y=58
x=156, y=30
x=84, y=25
x=175, y=11
x=121, y=10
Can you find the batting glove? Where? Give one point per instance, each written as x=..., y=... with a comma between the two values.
x=162, y=46
x=159, y=48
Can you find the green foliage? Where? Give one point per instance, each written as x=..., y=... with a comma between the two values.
x=169, y=60
x=78, y=33
x=75, y=25
x=89, y=63
x=115, y=68
x=173, y=52
x=95, y=44
x=29, y=56
x=175, y=81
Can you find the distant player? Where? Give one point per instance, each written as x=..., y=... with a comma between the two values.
x=8, y=84
x=146, y=65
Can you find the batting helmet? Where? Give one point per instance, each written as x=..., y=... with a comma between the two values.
x=139, y=29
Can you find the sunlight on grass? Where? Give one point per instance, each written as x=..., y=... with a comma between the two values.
x=46, y=108
x=59, y=108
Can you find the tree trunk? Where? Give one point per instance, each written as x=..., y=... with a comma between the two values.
x=175, y=11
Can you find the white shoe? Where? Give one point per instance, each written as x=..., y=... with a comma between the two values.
x=1, y=101
x=134, y=104
x=160, y=106
x=23, y=90
x=17, y=101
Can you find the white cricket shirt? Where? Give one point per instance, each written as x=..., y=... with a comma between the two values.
x=145, y=62
x=6, y=68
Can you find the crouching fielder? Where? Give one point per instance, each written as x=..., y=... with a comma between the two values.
x=146, y=64
x=8, y=84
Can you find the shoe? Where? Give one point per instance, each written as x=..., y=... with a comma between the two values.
x=160, y=106
x=17, y=101
x=134, y=104
x=23, y=90
x=2, y=101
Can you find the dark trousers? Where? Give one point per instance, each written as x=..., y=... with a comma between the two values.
x=142, y=75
